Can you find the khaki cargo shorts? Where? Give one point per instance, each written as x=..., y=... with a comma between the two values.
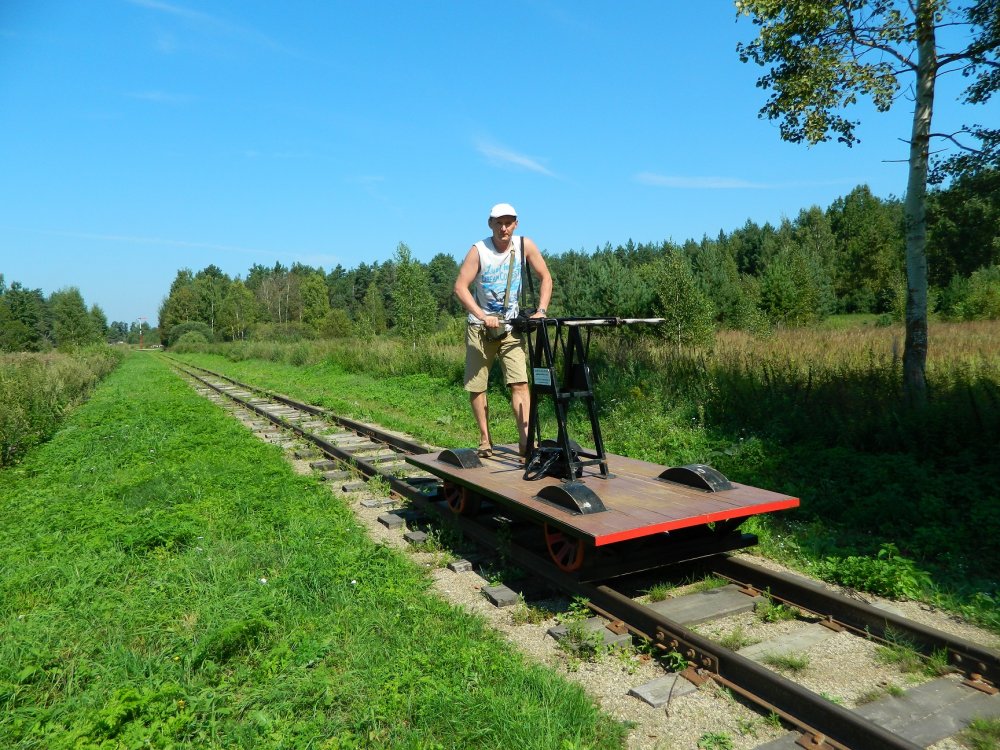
x=481, y=351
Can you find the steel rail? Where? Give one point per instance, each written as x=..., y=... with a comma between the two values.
x=400, y=443
x=978, y=663
x=367, y=468
x=812, y=713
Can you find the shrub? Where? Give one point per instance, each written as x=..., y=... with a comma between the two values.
x=178, y=331
x=289, y=332
x=974, y=298
x=336, y=324
x=191, y=337
x=887, y=574
x=982, y=301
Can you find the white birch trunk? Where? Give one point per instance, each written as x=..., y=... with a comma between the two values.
x=915, y=210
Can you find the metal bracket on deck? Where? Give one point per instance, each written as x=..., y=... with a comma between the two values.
x=699, y=476
x=464, y=458
x=573, y=496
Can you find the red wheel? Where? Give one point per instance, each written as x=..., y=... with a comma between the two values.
x=567, y=552
x=460, y=499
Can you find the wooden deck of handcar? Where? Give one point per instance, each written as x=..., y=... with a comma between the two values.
x=637, y=503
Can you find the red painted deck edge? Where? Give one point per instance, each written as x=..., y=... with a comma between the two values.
x=622, y=536
x=430, y=462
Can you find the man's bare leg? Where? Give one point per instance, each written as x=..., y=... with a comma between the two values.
x=520, y=400
x=480, y=409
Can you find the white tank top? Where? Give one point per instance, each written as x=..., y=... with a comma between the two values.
x=491, y=282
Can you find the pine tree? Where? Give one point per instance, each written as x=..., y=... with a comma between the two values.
x=371, y=319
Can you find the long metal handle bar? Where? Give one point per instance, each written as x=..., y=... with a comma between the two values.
x=608, y=321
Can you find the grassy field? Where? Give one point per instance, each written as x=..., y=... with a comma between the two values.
x=167, y=581
x=895, y=501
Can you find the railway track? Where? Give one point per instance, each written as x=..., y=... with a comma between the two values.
x=354, y=451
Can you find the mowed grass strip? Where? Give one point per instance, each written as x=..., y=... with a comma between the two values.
x=166, y=580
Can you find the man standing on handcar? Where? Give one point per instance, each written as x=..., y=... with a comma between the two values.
x=493, y=268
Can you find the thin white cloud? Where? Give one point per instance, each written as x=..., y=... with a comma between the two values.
x=206, y=21
x=160, y=97
x=698, y=183
x=163, y=241
x=252, y=153
x=176, y=10
x=723, y=183
x=505, y=157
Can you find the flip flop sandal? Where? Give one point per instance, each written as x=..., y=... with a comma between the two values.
x=485, y=450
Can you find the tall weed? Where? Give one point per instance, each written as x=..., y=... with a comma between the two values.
x=36, y=390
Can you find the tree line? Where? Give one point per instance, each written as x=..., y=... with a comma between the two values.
x=30, y=321
x=848, y=258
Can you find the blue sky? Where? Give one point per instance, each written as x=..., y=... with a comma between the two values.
x=140, y=137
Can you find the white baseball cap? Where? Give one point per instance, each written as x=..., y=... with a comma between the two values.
x=502, y=209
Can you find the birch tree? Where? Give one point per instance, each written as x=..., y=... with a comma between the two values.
x=687, y=313
x=823, y=54
x=414, y=310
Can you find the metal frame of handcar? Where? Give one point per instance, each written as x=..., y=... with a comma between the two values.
x=547, y=338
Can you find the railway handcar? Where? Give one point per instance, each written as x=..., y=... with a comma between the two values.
x=584, y=499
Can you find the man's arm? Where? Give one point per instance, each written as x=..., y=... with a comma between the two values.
x=534, y=258
x=466, y=275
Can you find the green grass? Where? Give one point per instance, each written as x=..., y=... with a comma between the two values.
x=848, y=321
x=880, y=692
x=715, y=741
x=736, y=639
x=905, y=657
x=529, y=614
x=168, y=581
x=790, y=662
x=768, y=610
x=982, y=734
x=709, y=583
x=658, y=592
